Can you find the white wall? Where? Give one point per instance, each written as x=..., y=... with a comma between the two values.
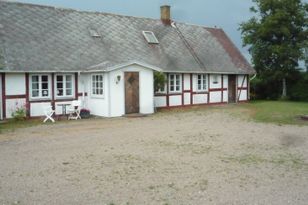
x=160, y=101
x=97, y=105
x=212, y=84
x=240, y=81
x=15, y=84
x=13, y=104
x=187, y=98
x=37, y=108
x=186, y=81
x=175, y=100
x=117, y=90
x=200, y=99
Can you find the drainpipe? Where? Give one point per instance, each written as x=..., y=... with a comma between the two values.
x=253, y=77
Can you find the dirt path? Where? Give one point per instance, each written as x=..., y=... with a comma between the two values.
x=193, y=157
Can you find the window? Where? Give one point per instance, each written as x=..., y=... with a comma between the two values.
x=97, y=85
x=150, y=37
x=39, y=86
x=64, y=85
x=201, y=82
x=174, y=82
x=94, y=33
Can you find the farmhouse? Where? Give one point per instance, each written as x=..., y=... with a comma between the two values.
x=52, y=55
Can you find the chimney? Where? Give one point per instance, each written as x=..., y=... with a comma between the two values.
x=165, y=14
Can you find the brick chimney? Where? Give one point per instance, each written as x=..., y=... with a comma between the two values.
x=165, y=14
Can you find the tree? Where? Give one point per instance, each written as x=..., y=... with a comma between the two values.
x=276, y=37
x=159, y=81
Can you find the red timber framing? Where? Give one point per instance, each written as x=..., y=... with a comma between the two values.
x=192, y=93
x=26, y=96
x=3, y=96
x=242, y=87
x=191, y=89
x=28, y=106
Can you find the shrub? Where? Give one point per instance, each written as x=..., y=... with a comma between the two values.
x=159, y=81
x=19, y=113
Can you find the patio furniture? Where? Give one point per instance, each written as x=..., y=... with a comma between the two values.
x=64, y=109
x=48, y=111
x=74, y=110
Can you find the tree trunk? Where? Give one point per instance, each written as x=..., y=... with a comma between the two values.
x=284, y=88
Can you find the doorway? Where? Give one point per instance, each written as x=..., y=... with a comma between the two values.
x=232, y=89
x=131, y=92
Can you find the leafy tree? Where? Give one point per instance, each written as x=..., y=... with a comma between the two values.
x=276, y=37
x=159, y=80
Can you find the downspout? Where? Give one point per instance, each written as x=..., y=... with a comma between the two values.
x=253, y=77
x=109, y=106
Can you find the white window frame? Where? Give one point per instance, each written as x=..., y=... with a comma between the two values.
x=145, y=33
x=174, y=83
x=203, y=77
x=103, y=88
x=40, y=96
x=64, y=86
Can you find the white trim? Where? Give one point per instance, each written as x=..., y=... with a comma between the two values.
x=203, y=75
x=40, y=87
x=153, y=35
x=174, y=85
x=91, y=86
x=119, y=66
x=64, y=86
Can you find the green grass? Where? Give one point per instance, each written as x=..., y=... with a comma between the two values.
x=281, y=112
x=11, y=125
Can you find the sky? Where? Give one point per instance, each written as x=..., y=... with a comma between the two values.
x=225, y=14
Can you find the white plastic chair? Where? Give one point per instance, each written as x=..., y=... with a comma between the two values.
x=48, y=111
x=74, y=110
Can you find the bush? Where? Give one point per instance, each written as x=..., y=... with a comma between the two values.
x=20, y=113
x=268, y=87
x=299, y=91
x=84, y=113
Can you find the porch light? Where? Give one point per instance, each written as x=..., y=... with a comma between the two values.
x=118, y=79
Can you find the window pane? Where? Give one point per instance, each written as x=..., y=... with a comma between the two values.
x=68, y=78
x=60, y=92
x=59, y=78
x=68, y=91
x=35, y=93
x=68, y=85
x=35, y=79
x=45, y=93
x=59, y=85
x=35, y=86
x=44, y=85
x=44, y=78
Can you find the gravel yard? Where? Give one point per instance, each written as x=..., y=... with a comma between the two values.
x=197, y=156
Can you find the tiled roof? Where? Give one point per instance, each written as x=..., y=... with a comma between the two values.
x=42, y=38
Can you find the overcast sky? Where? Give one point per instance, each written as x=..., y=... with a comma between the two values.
x=226, y=14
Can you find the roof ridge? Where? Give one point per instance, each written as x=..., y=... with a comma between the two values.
x=97, y=12
x=75, y=10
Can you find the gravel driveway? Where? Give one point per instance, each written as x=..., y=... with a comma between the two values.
x=202, y=156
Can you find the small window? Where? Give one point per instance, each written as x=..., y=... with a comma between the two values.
x=150, y=37
x=97, y=85
x=39, y=86
x=64, y=85
x=201, y=82
x=94, y=33
x=174, y=82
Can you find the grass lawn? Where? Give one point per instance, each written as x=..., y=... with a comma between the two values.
x=282, y=112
